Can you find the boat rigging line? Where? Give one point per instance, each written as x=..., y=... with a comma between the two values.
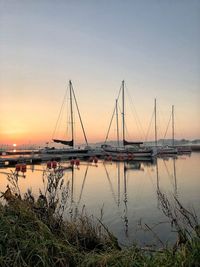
x=167, y=128
x=133, y=109
x=78, y=113
x=115, y=111
x=60, y=112
x=148, y=130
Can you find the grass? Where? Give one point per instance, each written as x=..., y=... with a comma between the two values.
x=26, y=241
x=34, y=233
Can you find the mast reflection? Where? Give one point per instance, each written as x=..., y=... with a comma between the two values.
x=175, y=179
x=173, y=176
x=125, y=203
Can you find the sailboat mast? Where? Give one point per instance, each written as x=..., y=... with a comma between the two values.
x=155, y=112
x=117, y=121
x=123, y=123
x=71, y=111
x=79, y=116
x=173, y=125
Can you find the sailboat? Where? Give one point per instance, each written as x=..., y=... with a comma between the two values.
x=161, y=150
x=180, y=149
x=128, y=147
x=70, y=143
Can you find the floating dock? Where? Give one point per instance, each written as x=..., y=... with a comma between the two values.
x=35, y=159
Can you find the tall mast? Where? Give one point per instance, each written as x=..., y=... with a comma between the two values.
x=173, y=125
x=71, y=110
x=123, y=123
x=117, y=121
x=156, y=142
x=79, y=116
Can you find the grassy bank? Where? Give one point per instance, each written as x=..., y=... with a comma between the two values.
x=34, y=233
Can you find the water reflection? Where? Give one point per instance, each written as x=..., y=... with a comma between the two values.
x=125, y=203
x=127, y=191
x=175, y=180
x=116, y=194
x=122, y=182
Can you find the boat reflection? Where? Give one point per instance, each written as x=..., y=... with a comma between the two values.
x=127, y=191
x=172, y=176
x=131, y=166
x=118, y=185
x=125, y=217
x=119, y=190
x=122, y=169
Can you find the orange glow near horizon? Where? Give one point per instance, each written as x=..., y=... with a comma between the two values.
x=38, y=128
x=26, y=123
x=93, y=137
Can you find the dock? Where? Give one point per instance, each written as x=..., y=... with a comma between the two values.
x=31, y=158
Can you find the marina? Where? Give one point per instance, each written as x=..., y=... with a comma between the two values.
x=99, y=133
x=11, y=158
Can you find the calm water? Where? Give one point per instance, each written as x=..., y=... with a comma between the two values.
x=127, y=193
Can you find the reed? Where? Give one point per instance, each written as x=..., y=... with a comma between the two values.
x=33, y=232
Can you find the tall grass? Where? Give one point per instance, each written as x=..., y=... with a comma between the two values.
x=33, y=232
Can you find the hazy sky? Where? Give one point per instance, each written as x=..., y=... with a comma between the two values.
x=154, y=45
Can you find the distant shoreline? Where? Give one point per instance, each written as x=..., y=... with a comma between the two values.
x=194, y=144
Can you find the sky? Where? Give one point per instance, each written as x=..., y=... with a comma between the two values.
x=153, y=45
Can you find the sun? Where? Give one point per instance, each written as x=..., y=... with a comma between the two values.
x=14, y=145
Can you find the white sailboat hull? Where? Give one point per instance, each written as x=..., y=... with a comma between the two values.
x=127, y=152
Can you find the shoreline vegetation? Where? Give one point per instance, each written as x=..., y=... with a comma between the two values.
x=34, y=232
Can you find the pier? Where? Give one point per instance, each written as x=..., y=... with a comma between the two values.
x=8, y=161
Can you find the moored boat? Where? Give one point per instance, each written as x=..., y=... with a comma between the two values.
x=71, y=149
x=128, y=148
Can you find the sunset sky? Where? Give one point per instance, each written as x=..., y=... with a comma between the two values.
x=153, y=45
